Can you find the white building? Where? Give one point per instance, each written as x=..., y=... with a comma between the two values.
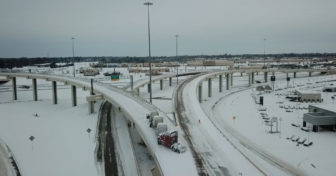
x=309, y=96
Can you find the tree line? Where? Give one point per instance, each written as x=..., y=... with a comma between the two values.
x=24, y=61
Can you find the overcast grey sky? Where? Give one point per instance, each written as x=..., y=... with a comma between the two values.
x=35, y=28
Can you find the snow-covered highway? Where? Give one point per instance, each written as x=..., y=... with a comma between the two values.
x=135, y=110
x=214, y=148
x=198, y=123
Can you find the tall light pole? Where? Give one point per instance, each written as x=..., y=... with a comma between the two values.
x=149, y=54
x=264, y=51
x=73, y=55
x=176, y=36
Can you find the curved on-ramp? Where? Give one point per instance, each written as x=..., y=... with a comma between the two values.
x=192, y=104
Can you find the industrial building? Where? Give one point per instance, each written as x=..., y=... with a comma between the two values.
x=210, y=63
x=320, y=116
x=309, y=96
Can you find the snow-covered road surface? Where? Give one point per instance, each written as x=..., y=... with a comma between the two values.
x=123, y=143
x=213, y=153
x=260, y=160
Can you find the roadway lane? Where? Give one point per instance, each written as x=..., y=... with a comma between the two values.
x=123, y=143
x=213, y=152
x=7, y=164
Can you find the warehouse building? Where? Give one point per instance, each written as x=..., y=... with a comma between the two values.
x=210, y=63
x=320, y=116
x=305, y=96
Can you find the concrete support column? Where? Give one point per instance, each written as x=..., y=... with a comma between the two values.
x=227, y=81
x=231, y=79
x=91, y=107
x=170, y=81
x=91, y=89
x=161, y=84
x=34, y=89
x=315, y=128
x=287, y=75
x=73, y=96
x=220, y=83
x=310, y=74
x=249, y=79
x=252, y=78
x=131, y=77
x=200, y=93
x=54, y=91
x=294, y=74
x=209, y=87
x=148, y=88
x=265, y=76
x=14, y=88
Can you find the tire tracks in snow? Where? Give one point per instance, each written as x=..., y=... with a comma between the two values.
x=183, y=120
x=252, y=147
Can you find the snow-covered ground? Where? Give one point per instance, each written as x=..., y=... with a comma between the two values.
x=57, y=117
x=61, y=145
x=249, y=124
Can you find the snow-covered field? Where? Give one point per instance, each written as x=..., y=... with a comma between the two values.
x=61, y=144
x=248, y=122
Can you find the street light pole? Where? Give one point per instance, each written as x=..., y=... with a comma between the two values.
x=264, y=52
x=73, y=55
x=149, y=54
x=176, y=36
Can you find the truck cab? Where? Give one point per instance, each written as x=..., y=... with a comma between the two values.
x=168, y=138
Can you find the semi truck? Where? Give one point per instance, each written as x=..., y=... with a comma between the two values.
x=170, y=140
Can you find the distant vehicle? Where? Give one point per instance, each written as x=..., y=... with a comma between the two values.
x=24, y=87
x=179, y=148
x=169, y=139
x=107, y=74
x=3, y=81
x=90, y=72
